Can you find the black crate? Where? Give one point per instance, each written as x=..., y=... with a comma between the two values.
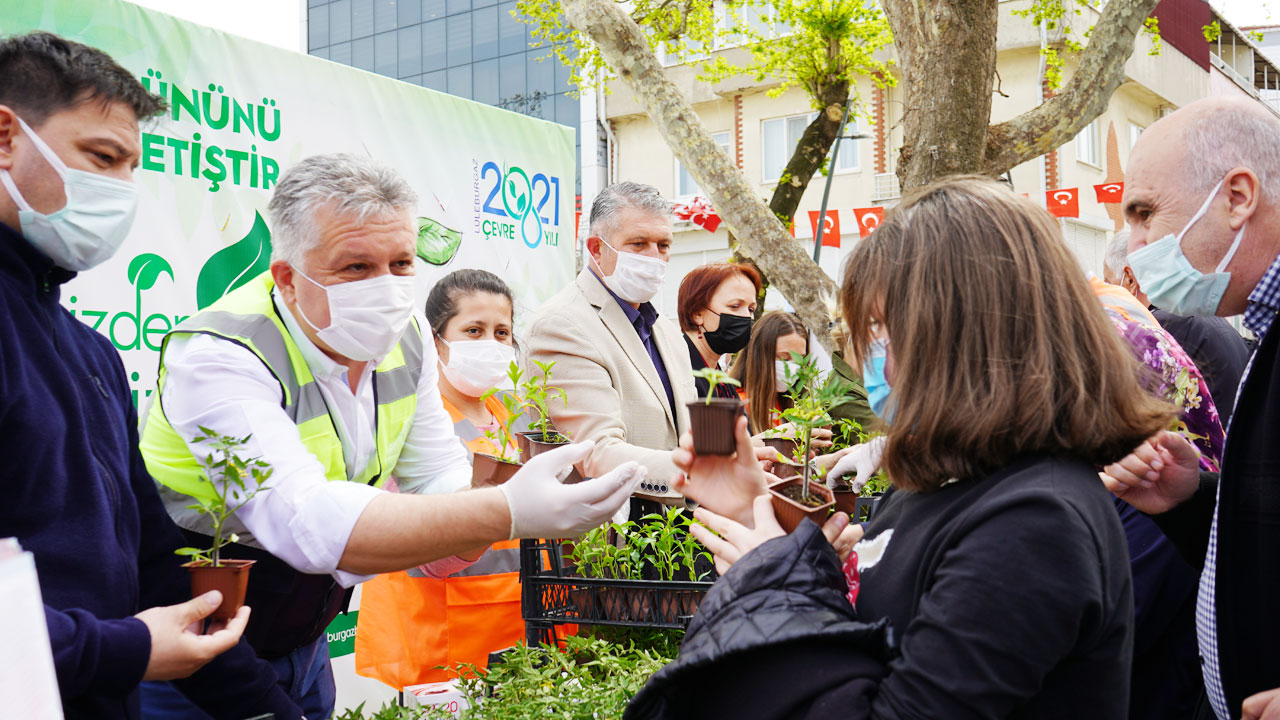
x=551, y=595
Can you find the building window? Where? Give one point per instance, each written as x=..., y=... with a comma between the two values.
x=1087, y=243
x=1088, y=145
x=848, y=160
x=781, y=135
x=686, y=186
x=1134, y=131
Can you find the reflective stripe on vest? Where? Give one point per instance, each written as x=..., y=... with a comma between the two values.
x=248, y=317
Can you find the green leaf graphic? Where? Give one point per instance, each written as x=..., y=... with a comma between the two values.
x=145, y=269
x=235, y=265
x=437, y=244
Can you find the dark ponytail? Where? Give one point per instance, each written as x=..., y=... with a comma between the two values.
x=442, y=302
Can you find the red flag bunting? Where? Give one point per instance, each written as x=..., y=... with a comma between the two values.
x=1064, y=202
x=830, y=227
x=1109, y=192
x=699, y=212
x=868, y=219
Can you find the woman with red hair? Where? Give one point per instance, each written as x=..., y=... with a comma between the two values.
x=717, y=303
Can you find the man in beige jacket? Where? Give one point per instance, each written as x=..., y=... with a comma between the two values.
x=625, y=370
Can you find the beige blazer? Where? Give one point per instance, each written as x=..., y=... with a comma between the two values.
x=614, y=394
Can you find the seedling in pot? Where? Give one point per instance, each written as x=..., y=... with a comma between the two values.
x=502, y=438
x=535, y=397
x=713, y=419
x=492, y=470
x=233, y=480
x=811, y=403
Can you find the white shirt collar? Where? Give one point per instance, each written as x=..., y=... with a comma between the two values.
x=322, y=366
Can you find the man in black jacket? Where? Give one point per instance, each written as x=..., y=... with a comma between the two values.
x=1202, y=199
x=76, y=492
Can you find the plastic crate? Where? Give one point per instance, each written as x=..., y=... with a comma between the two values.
x=551, y=595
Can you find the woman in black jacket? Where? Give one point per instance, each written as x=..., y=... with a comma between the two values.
x=997, y=559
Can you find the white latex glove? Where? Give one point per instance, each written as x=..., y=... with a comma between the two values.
x=543, y=508
x=864, y=460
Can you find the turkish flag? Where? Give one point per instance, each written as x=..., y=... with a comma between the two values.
x=1109, y=192
x=868, y=219
x=830, y=227
x=1063, y=202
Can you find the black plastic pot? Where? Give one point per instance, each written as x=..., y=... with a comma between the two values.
x=535, y=443
x=712, y=425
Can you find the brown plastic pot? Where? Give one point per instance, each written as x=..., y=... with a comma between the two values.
x=712, y=425
x=532, y=444
x=846, y=501
x=790, y=513
x=230, y=577
x=785, y=446
x=489, y=471
x=783, y=469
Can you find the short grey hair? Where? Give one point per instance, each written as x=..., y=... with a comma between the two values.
x=1219, y=141
x=357, y=187
x=626, y=194
x=1117, y=257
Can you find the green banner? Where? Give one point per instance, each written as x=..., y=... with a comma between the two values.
x=496, y=189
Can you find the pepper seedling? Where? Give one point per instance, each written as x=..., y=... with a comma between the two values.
x=234, y=480
x=716, y=377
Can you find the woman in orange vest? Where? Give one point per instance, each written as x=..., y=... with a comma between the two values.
x=410, y=622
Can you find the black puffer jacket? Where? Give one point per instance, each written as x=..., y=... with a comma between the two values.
x=775, y=638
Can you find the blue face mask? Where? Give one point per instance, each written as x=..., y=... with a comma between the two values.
x=1171, y=282
x=92, y=225
x=874, y=381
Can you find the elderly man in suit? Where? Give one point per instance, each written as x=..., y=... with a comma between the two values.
x=1202, y=198
x=625, y=370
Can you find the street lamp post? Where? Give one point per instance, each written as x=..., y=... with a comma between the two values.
x=831, y=171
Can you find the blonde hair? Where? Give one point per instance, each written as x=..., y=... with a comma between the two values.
x=1000, y=348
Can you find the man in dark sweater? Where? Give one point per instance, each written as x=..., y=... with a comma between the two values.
x=77, y=494
x=1212, y=344
x=1202, y=199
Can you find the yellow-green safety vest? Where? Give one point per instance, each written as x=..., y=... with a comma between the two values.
x=248, y=317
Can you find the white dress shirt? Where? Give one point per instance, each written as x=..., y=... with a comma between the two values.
x=303, y=518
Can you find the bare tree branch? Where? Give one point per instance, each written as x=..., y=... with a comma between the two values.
x=759, y=234
x=1085, y=97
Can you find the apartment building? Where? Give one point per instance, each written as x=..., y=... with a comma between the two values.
x=759, y=132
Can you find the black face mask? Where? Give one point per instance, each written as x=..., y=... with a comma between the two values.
x=731, y=336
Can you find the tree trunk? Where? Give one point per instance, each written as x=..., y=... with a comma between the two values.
x=947, y=51
x=760, y=235
x=811, y=152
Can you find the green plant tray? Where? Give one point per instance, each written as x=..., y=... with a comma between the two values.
x=551, y=596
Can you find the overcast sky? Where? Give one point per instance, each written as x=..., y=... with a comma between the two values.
x=1249, y=12
x=277, y=22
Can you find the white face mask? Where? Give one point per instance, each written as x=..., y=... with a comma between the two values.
x=477, y=366
x=636, y=278
x=90, y=227
x=780, y=370
x=366, y=317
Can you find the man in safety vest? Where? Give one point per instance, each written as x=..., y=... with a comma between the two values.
x=321, y=363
